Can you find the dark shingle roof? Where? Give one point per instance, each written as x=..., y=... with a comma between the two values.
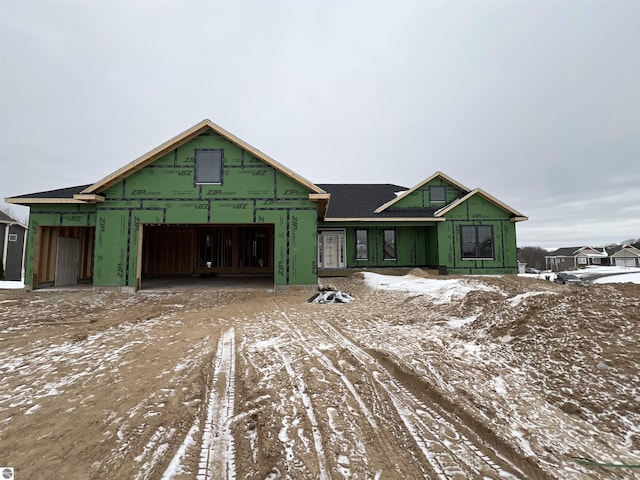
x=68, y=192
x=358, y=200
x=4, y=218
x=349, y=200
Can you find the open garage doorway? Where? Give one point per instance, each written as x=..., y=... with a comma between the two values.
x=207, y=255
x=63, y=256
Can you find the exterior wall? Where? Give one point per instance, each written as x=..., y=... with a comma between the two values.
x=165, y=192
x=415, y=246
x=478, y=211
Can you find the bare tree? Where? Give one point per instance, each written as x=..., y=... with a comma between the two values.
x=8, y=210
x=532, y=256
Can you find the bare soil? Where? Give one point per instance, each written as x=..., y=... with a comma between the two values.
x=515, y=379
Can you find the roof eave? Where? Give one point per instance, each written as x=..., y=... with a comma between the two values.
x=385, y=219
x=30, y=201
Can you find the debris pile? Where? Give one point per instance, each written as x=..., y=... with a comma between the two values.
x=330, y=295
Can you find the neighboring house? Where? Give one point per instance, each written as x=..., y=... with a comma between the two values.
x=627, y=256
x=206, y=202
x=586, y=256
x=571, y=258
x=12, y=243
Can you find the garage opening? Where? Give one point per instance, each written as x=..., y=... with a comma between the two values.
x=204, y=254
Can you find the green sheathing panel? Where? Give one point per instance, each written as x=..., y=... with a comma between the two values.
x=478, y=211
x=419, y=198
x=165, y=192
x=415, y=244
x=58, y=215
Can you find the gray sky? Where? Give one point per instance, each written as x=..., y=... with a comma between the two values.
x=536, y=102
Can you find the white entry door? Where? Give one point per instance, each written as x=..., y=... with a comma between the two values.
x=67, y=261
x=332, y=250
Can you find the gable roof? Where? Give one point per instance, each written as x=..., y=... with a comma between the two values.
x=91, y=193
x=184, y=137
x=515, y=215
x=627, y=250
x=4, y=218
x=411, y=190
x=7, y=220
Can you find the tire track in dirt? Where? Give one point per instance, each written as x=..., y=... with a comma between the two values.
x=452, y=448
x=217, y=458
x=337, y=425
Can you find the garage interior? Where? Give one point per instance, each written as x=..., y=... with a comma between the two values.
x=216, y=251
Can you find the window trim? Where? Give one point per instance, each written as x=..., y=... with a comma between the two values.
x=13, y=237
x=395, y=244
x=196, y=181
x=366, y=244
x=477, y=255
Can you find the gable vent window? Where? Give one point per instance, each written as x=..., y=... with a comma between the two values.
x=437, y=193
x=13, y=237
x=209, y=166
x=477, y=241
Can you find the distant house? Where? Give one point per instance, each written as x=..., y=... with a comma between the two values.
x=12, y=246
x=586, y=256
x=627, y=256
x=207, y=203
x=572, y=258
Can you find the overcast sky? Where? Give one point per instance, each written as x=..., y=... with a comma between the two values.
x=536, y=102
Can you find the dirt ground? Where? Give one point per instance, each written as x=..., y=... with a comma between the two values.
x=508, y=378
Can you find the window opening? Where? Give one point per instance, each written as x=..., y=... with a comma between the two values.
x=389, y=246
x=437, y=193
x=362, y=245
x=477, y=241
x=209, y=166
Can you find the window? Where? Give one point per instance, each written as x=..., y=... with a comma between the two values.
x=477, y=241
x=362, y=245
x=389, y=247
x=13, y=237
x=208, y=166
x=437, y=193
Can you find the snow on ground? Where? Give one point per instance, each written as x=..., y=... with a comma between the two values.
x=594, y=274
x=418, y=377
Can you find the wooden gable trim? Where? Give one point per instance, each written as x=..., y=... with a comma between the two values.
x=516, y=216
x=29, y=201
x=183, y=138
x=89, y=198
x=406, y=193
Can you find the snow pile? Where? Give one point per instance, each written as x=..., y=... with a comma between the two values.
x=437, y=290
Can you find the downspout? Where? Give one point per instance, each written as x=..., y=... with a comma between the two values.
x=5, y=246
x=25, y=239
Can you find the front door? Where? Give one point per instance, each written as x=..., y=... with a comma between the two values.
x=331, y=250
x=67, y=261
